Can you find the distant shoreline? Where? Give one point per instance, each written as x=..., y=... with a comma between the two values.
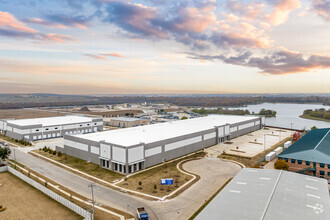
x=313, y=118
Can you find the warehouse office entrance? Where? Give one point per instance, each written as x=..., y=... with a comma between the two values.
x=223, y=139
x=135, y=167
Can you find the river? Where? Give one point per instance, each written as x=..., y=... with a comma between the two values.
x=289, y=113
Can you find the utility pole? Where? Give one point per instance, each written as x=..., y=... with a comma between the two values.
x=15, y=157
x=92, y=185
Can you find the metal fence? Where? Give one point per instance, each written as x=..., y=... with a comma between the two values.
x=3, y=169
x=77, y=209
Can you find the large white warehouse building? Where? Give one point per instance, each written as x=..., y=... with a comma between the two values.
x=50, y=127
x=131, y=149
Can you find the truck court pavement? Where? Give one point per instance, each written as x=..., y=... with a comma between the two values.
x=214, y=173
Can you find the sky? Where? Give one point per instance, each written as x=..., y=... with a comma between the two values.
x=164, y=46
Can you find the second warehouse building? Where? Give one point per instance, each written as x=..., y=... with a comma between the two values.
x=132, y=149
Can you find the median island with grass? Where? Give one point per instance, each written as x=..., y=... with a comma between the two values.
x=148, y=181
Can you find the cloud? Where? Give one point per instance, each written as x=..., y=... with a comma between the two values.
x=192, y=23
x=96, y=56
x=45, y=23
x=81, y=21
x=113, y=55
x=279, y=62
x=249, y=10
x=134, y=18
x=10, y=23
x=282, y=9
x=322, y=8
x=103, y=56
x=11, y=27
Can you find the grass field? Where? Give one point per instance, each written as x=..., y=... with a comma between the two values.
x=82, y=165
x=25, y=113
x=99, y=214
x=152, y=177
x=25, y=202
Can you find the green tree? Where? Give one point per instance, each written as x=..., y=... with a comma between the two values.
x=4, y=153
x=184, y=118
x=314, y=127
x=281, y=165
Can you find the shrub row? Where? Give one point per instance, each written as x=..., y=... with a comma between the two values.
x=25, y=143
x=50, y=151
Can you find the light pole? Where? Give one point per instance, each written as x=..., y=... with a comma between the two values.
x=280, y=134
x=92, y=185
x=291, y=128
x=264, y=142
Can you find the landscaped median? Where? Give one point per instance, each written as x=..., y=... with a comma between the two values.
x=149, y=181
x=145, y=183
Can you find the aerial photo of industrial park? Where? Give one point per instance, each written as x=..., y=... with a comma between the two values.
x=165, y=110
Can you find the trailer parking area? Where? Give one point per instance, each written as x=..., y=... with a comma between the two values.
x=251, y=144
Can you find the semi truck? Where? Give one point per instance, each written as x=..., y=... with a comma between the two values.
x=142, y=214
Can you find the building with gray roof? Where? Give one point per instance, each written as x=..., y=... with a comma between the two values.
x=270, y=195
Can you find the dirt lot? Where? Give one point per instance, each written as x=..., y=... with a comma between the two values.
x=25, y=113
x=25, y=202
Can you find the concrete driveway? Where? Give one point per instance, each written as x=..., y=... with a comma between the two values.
x=213, y=172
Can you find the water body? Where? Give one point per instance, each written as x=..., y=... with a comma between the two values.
x=289, y=113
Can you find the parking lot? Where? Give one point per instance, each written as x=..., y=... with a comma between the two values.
x=49, y=143
x=250, y=144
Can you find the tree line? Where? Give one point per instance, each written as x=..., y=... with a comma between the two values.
x=264, y=112
x=318, y=113
x=178, y=100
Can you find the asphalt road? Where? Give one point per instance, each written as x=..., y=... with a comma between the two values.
x=79, y=185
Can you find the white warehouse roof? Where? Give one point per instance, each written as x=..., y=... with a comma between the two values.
x=157, y=132
x=126, y=119
x=51, y=121
x=270, y=195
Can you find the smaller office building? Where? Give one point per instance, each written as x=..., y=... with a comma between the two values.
x=50, y=127
x=131, y=149
x=127, y=122
x=310, y=154
x=270, y=195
